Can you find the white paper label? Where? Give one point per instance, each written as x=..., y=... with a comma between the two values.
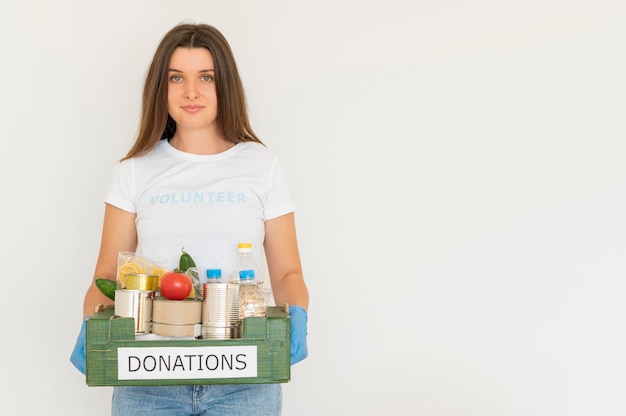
x=186, y=362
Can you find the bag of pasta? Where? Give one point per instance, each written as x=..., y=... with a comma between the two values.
x=138, y=273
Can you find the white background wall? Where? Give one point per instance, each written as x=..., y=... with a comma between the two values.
x=459, y=172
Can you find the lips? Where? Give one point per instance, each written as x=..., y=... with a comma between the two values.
x=192, y=108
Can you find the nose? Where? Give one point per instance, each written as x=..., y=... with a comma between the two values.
x=191, y=91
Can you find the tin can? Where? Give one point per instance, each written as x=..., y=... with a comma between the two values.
x=135, y=304
x=176, y=318
x=138, y=281
x=220, y=310
x=221, y=332
x=174, y=330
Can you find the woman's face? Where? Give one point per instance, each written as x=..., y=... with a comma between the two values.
x=191, y=92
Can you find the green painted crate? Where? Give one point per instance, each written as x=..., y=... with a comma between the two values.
x=191, y=361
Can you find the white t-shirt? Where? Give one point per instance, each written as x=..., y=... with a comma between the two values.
x=204, y=203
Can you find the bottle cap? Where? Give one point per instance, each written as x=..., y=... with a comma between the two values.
x=244, y=247
x=246, y=274
x=214, y=273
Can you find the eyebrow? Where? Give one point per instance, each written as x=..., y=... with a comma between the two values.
x=202, y=70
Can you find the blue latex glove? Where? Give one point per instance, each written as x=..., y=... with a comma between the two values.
x=79, y=357
x=298, y=334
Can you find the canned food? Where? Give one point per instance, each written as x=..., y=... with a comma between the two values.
x=220, y=304
x=221, y=332
x=138, y=281
x=172, y=330
x=176, y=312
x=135, y=304
x=220, y=311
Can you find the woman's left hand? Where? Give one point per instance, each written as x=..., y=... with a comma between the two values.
x=298, y=332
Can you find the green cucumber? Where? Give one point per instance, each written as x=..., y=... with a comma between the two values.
x=106, y=286
x=185, y=262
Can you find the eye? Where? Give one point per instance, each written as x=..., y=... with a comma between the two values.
x=176, y=78
x=207, y=78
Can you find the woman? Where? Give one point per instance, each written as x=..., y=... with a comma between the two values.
x=195, y=139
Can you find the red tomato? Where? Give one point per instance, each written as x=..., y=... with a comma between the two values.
x=175, y=286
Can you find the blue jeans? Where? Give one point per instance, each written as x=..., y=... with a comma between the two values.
x=212, y=399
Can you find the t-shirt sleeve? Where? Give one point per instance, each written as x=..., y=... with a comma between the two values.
x=279, y=200
x=120, y=192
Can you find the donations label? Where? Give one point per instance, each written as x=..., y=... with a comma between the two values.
x=186, y=362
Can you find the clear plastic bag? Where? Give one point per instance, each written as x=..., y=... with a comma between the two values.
x=194, y=275
x=139, y=268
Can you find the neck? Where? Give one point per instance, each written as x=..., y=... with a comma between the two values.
x=199, y=142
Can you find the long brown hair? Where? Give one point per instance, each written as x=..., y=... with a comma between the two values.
x=232, y=113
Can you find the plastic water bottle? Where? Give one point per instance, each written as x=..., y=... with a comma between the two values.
x=251, y=302
x=245, y=262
